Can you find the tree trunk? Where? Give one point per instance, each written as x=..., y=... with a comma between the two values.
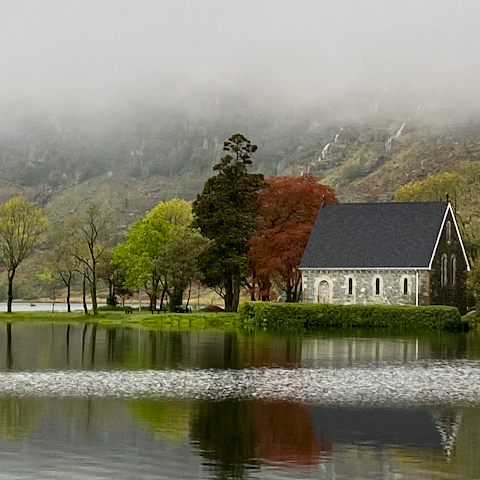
x=264, y=289
x=153, y=302
x=93, y=291
x=288, y=292
x=251, y=287
x=176, y=298
x=232, y=293
x=11, y=274
x=236, y=292
x=229, y=294
x=164, y=291
x=85, y=309
x=54, y=298
x=68, y=297
x=189, y=293
x=297, y=292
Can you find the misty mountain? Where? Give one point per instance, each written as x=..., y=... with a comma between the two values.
x=156, y=152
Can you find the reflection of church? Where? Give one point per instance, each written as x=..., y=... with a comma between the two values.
x=376, y=426
x=447, y=422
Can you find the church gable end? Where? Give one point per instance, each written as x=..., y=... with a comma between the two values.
x=449, y=266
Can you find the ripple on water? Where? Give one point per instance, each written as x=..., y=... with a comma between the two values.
x=411, y=385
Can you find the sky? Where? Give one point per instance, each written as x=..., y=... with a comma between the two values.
x=102, y=50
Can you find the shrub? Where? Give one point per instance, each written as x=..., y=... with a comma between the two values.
x=282, y=315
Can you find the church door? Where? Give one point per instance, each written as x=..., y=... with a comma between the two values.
x=323, y=292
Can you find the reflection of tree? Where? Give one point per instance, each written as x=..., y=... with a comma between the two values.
x=225, y=433
x=93, y=342
x=9, y=346
x=284, y=433
x=18, y=416
x=92, y=416
x=448, y=345
x=168, y=420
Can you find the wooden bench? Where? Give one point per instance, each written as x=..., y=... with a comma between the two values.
x=180, y=309
x=128, y=310
x=157, y=310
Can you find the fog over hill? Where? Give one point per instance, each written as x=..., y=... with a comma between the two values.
x=120, y=89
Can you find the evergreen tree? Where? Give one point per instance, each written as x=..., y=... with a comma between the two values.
x=226, y=213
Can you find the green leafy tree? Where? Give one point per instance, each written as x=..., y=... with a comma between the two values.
x=433, y=188
x=91, y=235
x=225, y=212
x=22, y=224
x=144, y=242
x=178, y=261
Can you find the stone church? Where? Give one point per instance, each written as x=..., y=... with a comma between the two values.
x=385, y=253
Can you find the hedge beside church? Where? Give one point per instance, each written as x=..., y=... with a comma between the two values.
x=280, y=315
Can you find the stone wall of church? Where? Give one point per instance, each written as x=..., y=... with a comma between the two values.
x=344, y=287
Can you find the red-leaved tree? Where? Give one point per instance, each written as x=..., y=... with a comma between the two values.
x=287, y=211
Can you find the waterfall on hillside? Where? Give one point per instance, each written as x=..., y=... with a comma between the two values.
x=389, y=141
x=325, y=151
x=337, y=136
x=280, y=167
x=400, y=130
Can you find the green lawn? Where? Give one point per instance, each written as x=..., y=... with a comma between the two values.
x=144, y=318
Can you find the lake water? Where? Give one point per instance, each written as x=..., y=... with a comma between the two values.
x=86, y=402
x=43, y=306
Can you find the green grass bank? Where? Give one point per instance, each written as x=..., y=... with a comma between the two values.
x=271, y=315
x=284, y=315
x=119, y=317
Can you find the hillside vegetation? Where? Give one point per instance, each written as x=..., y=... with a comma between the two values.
x=130, y=158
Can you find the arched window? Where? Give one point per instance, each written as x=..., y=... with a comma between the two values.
x=405, y=286
x=449, y=231
x=444, y=268
x=377, y=286
x=350, y=286
x=453, y=270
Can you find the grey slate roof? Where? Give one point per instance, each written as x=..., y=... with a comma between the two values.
x=369, y=235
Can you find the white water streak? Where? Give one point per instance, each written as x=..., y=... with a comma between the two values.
x=412, y=384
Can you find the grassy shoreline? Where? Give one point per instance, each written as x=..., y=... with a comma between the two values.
x=196, y=319
x=119, y=317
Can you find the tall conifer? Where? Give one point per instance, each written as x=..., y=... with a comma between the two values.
x=226, y=213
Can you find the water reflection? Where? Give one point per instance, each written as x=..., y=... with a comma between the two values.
x=229, y=440
x=225, y=436
x=284, y=434
x=180, y=439
x=18, y=417
x=92, y=346
x=167, y=420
